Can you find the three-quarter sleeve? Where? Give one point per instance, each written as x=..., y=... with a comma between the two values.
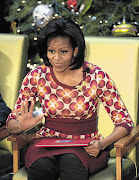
x=112, y=101
x=28, y=91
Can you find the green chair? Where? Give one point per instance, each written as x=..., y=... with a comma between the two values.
x=13, y=61
x=118, y=57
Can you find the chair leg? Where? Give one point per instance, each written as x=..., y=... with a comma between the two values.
x=15, y=157
x=118, y=164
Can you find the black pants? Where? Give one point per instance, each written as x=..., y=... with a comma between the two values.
x=67, y=166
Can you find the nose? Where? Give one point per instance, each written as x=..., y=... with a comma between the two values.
x=57, y=56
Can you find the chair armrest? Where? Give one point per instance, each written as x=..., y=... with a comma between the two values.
x=19, y=141
x=128, y=141
x=25, y=137
x=3, y=132
x=122, y=146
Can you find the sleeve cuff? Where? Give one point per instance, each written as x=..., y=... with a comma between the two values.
x=125, y=126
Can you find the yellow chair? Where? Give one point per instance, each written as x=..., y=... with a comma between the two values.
x=119, y=58
x=13, y=60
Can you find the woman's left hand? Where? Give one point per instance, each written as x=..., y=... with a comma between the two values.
x=94, y=148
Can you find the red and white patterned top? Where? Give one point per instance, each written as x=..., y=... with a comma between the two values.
x=78, y=103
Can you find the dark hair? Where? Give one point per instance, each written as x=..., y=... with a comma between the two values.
x=63, y=28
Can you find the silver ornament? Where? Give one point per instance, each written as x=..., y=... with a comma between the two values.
x=42, y=14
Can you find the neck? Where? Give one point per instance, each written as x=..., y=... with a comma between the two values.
x=70, y=77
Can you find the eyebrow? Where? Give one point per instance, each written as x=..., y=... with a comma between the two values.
x=60, y=48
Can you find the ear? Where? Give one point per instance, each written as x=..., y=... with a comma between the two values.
x=75, y=51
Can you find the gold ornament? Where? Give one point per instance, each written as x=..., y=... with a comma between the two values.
x=125, y=30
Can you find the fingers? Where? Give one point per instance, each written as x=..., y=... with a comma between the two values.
x=93, y=148
x=93, y=142
x=17, y=114
x=92, y=152
x=95, y=154
x=22, y=108
x=31, y=107
x=92, y=145
x=24, y=115
x=26, y=106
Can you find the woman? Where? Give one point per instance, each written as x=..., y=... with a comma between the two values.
x=69, y=89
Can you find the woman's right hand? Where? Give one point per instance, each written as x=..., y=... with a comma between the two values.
x=25, y=118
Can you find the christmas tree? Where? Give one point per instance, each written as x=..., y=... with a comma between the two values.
x=95, y=18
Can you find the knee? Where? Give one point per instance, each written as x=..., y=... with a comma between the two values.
x=71, y=167
x=70, y=162
x=42, y=168
x=44, y=164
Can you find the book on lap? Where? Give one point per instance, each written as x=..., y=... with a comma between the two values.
x=58, y=142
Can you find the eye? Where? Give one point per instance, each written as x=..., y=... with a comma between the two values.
x=51, y=51
x=64, y=52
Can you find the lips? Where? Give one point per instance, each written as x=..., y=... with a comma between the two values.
x=57, y=64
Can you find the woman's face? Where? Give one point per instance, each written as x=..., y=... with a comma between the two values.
x=60, y=54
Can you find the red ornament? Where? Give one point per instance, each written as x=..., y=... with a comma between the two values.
x=72, y=4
